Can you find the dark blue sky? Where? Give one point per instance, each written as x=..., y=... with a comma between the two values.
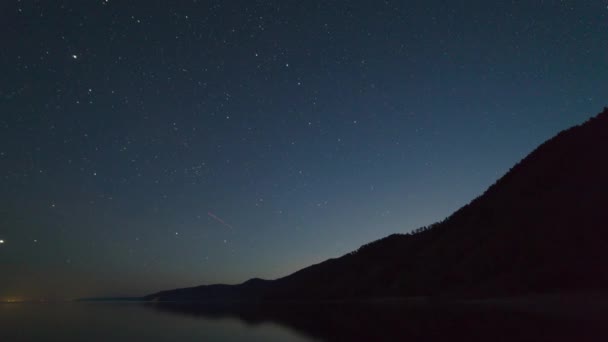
x=156, y=144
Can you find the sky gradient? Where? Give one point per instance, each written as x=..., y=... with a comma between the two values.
x=147, y=145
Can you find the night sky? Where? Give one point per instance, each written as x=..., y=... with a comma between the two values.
x=147, y=145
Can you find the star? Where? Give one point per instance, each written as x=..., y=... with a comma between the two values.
x=1, y=242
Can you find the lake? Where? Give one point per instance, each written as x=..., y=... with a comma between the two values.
x=382, y=321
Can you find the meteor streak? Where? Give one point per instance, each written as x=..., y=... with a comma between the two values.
x=213, y=216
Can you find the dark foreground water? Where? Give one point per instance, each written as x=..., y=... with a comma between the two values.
x=387, y=321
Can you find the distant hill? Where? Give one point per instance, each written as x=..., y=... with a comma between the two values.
x=108, y=299
x=542, y=227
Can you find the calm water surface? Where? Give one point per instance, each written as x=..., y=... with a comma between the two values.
x=127, y=322
x=353, y=322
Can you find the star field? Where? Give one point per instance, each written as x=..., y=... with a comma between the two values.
x=148, y=145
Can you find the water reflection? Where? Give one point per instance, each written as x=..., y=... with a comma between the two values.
x=400, y=321
x=126, y=322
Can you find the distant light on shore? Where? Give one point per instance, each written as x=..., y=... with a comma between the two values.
x=12, y=300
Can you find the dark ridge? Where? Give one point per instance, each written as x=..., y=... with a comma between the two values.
x=540, y=228
x=109, y=299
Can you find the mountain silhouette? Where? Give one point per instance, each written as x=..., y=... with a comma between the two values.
x=541, y=228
